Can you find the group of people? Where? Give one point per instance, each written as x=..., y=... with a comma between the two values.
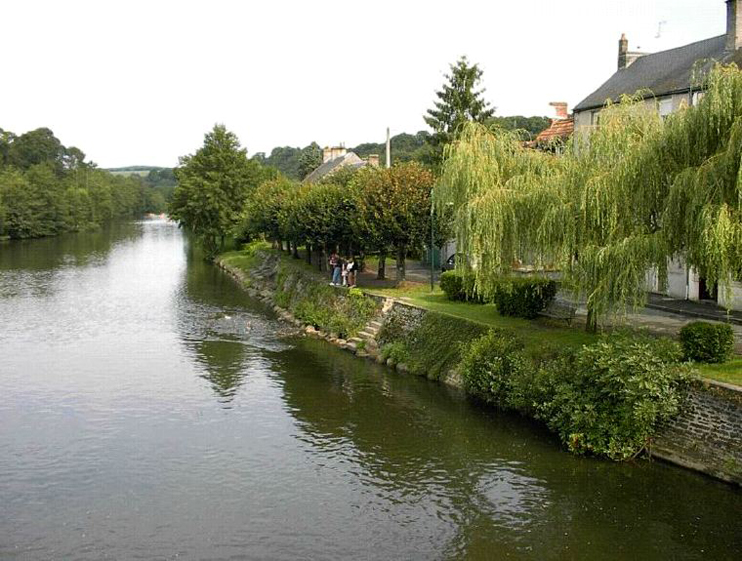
x=343, y=271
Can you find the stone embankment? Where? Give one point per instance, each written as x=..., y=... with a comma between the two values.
x=706, y=437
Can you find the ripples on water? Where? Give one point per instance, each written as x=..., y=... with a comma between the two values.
x=150, y=410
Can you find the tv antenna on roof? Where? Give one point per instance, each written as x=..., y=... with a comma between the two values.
x=659, y=29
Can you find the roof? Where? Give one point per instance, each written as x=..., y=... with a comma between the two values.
x=559, y=128
x=350, y=159
x=662, y=73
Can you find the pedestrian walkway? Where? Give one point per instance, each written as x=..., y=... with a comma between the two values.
x=695, y=309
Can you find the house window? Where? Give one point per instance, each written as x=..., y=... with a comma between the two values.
x=595, y=117
x=665, y=107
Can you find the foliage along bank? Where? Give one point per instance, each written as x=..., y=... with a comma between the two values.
x=607, y=398
x=47, y=188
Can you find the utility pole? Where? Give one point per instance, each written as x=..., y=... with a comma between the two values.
x=388, y=149
x=432, y=242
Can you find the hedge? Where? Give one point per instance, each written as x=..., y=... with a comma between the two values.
x=523, y=297
x=707, y=342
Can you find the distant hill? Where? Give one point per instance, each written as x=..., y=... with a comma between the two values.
x=142, y=171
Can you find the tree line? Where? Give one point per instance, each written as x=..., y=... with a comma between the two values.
x=223, y=194
x=47, y=188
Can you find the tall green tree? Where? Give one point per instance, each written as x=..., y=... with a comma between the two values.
x=459, y=101
x=213, y=187
x=394, y=209
x=310, y=159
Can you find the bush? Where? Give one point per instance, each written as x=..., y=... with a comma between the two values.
x=491, y=365
x=523, y=297
x=707, y=342
x=609, y=397
x=458, y=285
x=397, y=351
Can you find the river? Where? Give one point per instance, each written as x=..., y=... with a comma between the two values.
x=149, y=409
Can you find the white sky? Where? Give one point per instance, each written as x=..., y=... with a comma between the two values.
x=140, y=82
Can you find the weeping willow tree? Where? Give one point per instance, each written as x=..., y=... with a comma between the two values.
x=625, y=198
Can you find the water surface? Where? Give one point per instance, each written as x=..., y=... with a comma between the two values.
x=151, y=410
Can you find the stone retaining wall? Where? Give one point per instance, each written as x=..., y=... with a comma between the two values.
x=707, y=436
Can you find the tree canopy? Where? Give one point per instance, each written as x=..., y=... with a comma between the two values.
x=213, y=187
x=459, y=102
x=47, y=188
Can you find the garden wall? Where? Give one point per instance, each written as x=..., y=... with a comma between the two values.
x=707, y=436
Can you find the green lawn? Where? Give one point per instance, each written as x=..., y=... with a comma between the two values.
x=534, y=333
x=729, y=372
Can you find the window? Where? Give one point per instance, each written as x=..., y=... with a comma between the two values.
x=595, y=117
x=665, y=107
x=697, y=96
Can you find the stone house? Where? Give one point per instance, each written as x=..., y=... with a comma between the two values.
x=338, y=157
x=668, y=79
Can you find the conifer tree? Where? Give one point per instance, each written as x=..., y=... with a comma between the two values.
x=459, y=102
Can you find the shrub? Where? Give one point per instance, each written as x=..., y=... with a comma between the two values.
x=397, y=351
x=609, y=397
x=491, y=364
x=707, y=342
x=523, y=297
x=437, y=343
x=458, y=285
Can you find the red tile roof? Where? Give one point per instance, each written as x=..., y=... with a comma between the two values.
x=559, y=128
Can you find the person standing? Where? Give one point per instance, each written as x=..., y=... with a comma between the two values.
x=337, y=270
x=333, y=263
x=351, y=266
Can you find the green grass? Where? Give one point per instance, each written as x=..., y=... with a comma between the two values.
x=729, y=372
x=535, y=334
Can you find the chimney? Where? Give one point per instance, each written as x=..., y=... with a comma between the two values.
x=734, y=26
x=561, y=109
x=332, y=152
x=373, y=160
x=338, y=151
x=625, y=57
x=623, y=51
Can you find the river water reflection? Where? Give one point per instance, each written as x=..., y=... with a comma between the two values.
x=151, y=410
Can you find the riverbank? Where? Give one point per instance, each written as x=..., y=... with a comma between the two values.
x=701, y=432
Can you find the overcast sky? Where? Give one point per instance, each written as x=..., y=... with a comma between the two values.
x=140, y=82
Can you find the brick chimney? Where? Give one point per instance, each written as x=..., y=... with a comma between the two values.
x=332, y=152
x=623, y=51
x=626, y=57
x=373, y=160
x=561, y=109
x=734, y=25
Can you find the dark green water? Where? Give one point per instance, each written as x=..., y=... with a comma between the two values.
x=150, y=410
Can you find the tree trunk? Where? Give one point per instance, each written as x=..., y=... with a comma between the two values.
x=401, y=272
x=381, y=275
x=591, y=324
x=323, y=259
x=308, y=248
x=295, y=250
